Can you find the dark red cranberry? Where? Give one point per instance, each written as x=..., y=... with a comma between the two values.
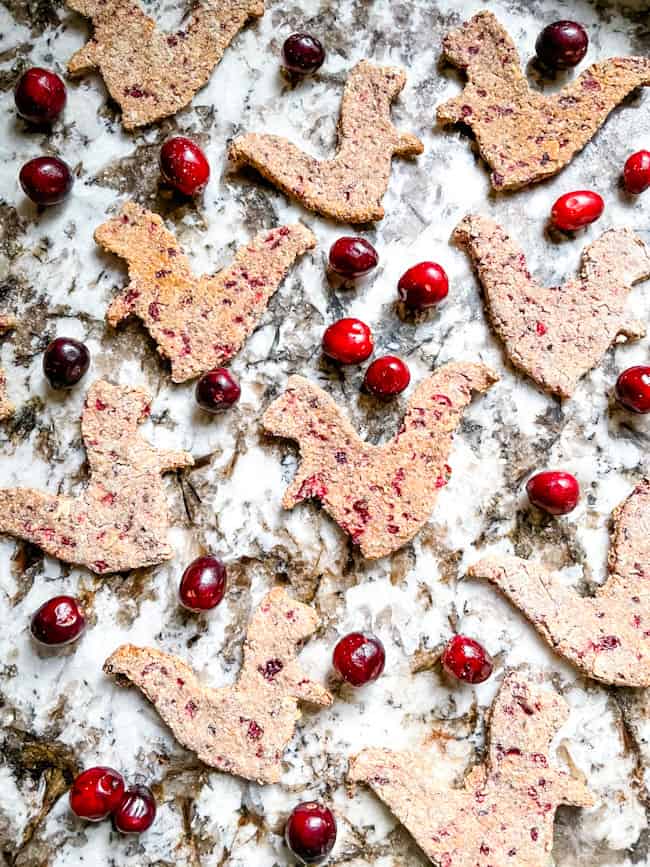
x=636, y=174
x=203, y=584
x=184, y=165
x=348, y=341
x=136, y=810
x=39, y=95
x=302, y=54
x=46, y=180
x=217, y=390
x=387, y=376
x=359, y=658
x=96, y=792
x=352, y=257
x=633, y=388
x=60, y=620
x=65, y=361
x=562, y=45
x=310, y=832
x=554, y=492
x=573, y=211
x=466, y=659
x=423, y=286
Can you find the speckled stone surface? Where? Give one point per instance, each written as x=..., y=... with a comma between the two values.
x=58, y=711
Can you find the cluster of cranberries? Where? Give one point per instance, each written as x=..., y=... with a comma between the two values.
x=100, y=792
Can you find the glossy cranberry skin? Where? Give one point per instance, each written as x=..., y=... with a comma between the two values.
x=633, y=389
x=423, y=286
x=466, y=659
x=136, y=810
x=387, y=376
x=302, y=54
x=65, y=361
x=359, y=658
x=576, y=210
x=348, y=341
x=310, y=832
x=96, y=792
x=203, y=584
x=46, y=180
x=184, y=165
x=554, y=492
x=39, y=95
x=58, y=621
x=562, y=45
x=636, y=174
x=217, y=390
x=352, y=257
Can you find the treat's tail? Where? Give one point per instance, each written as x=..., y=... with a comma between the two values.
x=34, y=516
x=275, y=158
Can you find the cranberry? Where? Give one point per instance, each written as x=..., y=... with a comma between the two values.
x=311, y=832
x=562, y=45
x=203, y=584
x=217, y=390
x=184, y=165
x=573, y=211
x=554, y=492
x=60, y=620
x=348, y=341
x=387, y=376
x=636, y=174
x=423, y=286
x=359, y=658
x=65, y=361
x=136, y=810
x=352, y=257
x=39, y=95
x=466, y=659
x=96, y=792
x=46, y=180
x=302, y=54
x=633, y=388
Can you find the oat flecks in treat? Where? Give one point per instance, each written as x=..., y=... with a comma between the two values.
x=555, y=335
x=523, y=135
x=504, y=813
x=120, y=520
x=149, y=73
x=241, y=729
x=607, y=636
x=350, y=187
x=380, y=495
x=198, y=323
x=7, y=323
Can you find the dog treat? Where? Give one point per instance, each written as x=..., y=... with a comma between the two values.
x=380, y=495
x=120, y=520
x=349, y=187
x=241, y=729
x=149, y=73
x=556, y=335
x=503, y=815
x=607, y=636
x=198, y=323
x=7, y=323
x=523, y=135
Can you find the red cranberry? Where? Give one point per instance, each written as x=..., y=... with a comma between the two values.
x=96, y=792
x=203, y=584
x=562, y=45
x=359, y=658
x=466, y=659
x=387, y=376
x=573, y=211
x=348, y=341
x=423, y=286
x=633, y=388
x=65, y=361
x=60, y=620
x=302, y=54
x=46, y=180
x=636, y=174
x=136, y=810
x=217, y=390
x=311, y=832
x=184, y=165
x=352, y=257
x=554, y=492
x=39, y=95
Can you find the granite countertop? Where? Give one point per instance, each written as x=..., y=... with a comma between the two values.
x=58, y=711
